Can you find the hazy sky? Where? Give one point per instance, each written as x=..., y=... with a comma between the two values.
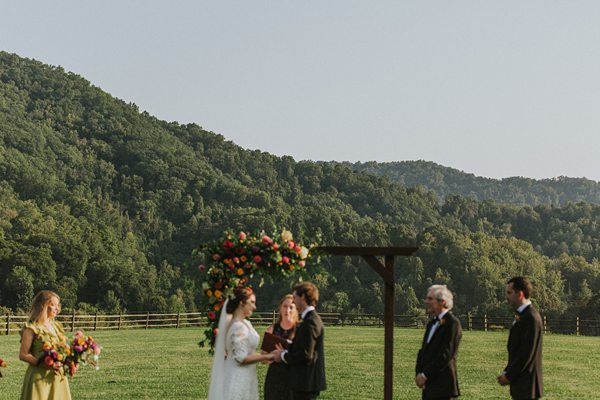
x=496, y=88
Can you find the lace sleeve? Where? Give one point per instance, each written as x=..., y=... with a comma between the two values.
x=239, y=341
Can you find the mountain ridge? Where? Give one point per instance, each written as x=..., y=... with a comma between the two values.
x=105, y=204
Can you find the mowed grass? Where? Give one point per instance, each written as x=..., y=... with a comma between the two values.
x=168, y=364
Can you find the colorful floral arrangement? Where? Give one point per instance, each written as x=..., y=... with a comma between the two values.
x=83, y=350
x=234, y=259
x=65, y=359
x=3, y=365
x=54, y=356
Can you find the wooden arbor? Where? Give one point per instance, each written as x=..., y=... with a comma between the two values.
x=386, y=271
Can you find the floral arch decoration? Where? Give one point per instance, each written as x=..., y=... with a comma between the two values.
x=234, y=259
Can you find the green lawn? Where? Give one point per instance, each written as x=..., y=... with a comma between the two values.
x=167, y=364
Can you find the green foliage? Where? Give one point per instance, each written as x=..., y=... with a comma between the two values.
x=105, y=204
x=445, y=181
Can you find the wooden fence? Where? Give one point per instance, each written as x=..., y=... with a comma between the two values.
x=12, y=323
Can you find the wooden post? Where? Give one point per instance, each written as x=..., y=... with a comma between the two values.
x=545, y=325
x=577, y=327
x=387, y=273
x=389, y=330
x=96, y=321
x=7, y=323
x=469, y=322
x=73, y=322
x=485, y=322
x=273, y=317
x=147, y=319
x=119, y=324
x=178, y=318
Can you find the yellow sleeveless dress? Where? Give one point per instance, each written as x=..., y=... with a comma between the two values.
x=41, y=383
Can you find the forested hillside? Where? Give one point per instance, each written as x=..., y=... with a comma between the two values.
x=104, y=204
x=445, y=181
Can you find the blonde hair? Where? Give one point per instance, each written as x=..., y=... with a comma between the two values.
x=283, y=299
x=39, y=305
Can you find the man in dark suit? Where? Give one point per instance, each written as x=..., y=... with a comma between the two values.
x=305, y=357
x=436, y=362
x=524, y=370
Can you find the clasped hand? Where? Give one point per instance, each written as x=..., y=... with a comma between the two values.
x=503, y=380
x=420, y=380
x=277, y=353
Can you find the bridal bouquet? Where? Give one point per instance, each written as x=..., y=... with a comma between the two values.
x=82, y=350
x=54, y=356
x=2, y=366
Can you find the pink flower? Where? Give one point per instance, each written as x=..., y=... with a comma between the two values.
x=242, y=236
x=257, y=259
x=227, y=244
x=285, y=260
x=291, y=244
x=298, y=249
x=216, y=257
x=212, y=315
x=266, y=239
x=201, y=268
x=301, y=263
x=275, y=246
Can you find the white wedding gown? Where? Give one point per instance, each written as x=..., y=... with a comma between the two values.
x=240, y=381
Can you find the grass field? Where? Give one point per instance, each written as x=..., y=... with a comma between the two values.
x=167, y=364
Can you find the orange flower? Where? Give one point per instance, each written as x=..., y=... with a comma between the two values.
x=218, y=294
x=240, y=271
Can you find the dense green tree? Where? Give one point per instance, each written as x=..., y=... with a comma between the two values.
x=105, y=204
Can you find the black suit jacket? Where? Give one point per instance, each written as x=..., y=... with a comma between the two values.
x=306, y=358
x=524, y=369
x=437, y=359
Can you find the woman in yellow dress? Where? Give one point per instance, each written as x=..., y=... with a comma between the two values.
x=43, y=382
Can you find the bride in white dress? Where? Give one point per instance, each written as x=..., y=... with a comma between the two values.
x=233, y=376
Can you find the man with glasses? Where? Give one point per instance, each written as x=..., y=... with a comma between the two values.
x=436, y=361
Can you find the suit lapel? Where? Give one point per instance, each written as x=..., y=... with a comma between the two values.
x=439, y=328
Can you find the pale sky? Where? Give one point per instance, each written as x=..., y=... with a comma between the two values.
x=494, y=88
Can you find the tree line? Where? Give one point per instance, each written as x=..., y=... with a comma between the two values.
x=105, y=204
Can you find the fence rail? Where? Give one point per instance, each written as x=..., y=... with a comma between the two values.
x=12, y=323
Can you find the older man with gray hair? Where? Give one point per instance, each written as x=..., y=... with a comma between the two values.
x=436, y=362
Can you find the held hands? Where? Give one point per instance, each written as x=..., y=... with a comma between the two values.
x=277, y=353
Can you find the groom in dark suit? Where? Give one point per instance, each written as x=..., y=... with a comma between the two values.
x=524, y=370
x=305, y=357
x=436, y=362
